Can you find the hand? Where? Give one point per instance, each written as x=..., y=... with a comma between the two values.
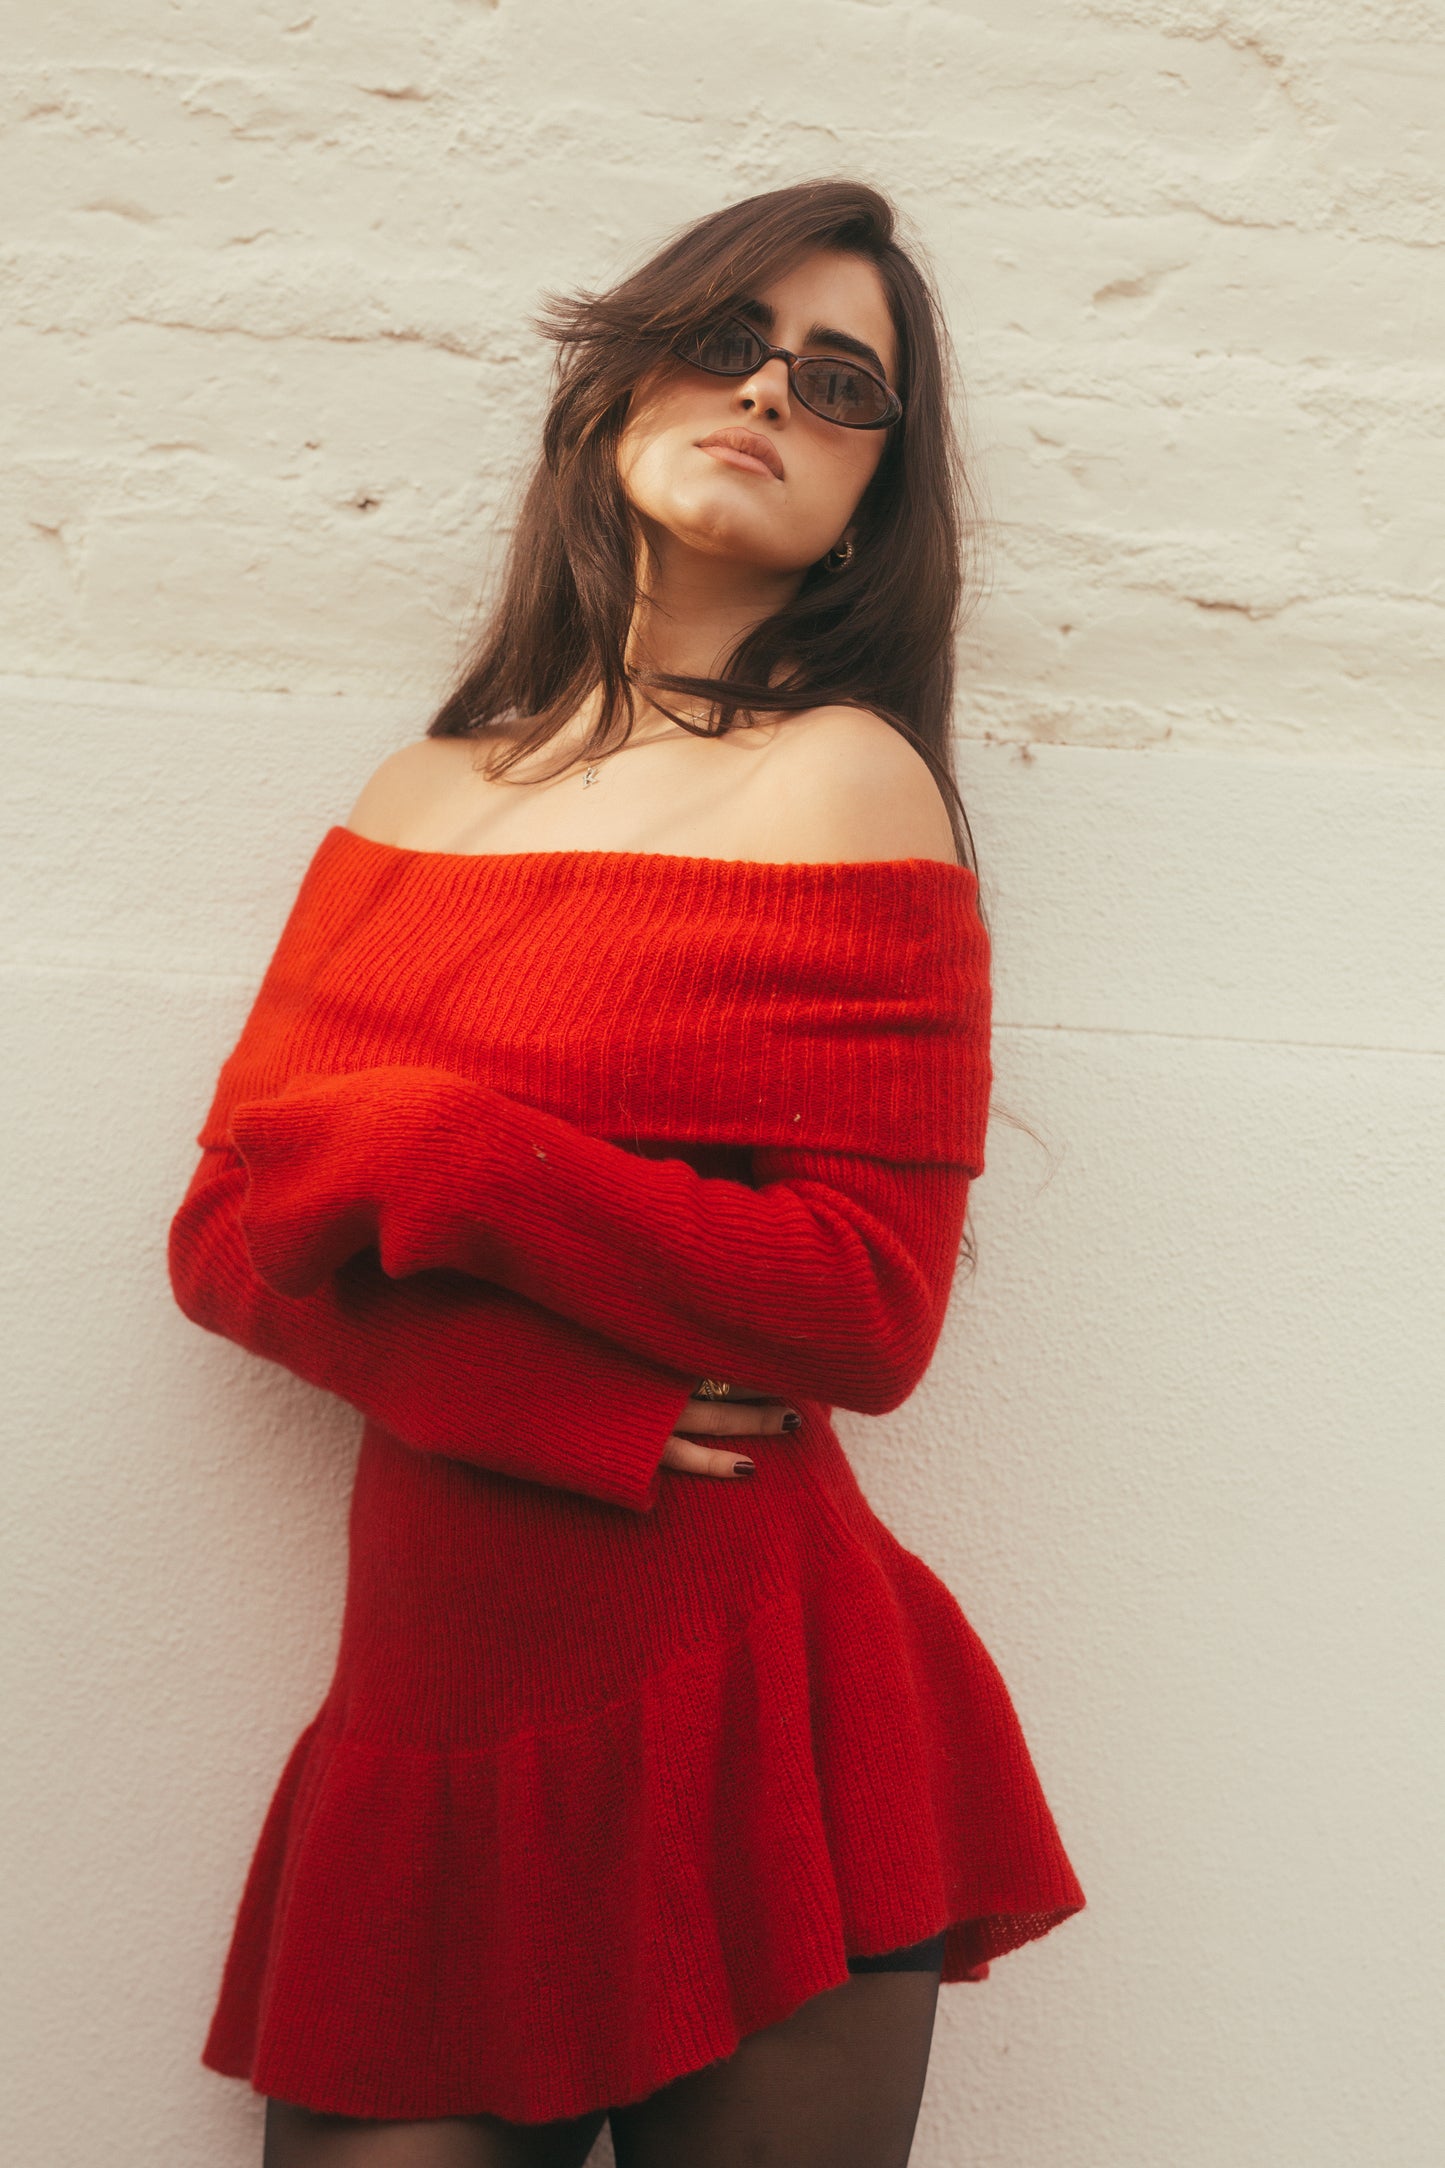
x=735, y=1417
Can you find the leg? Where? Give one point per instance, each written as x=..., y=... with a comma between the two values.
x=299, y=2138
x=838, y=2084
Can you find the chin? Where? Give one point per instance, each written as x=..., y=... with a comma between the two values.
x=714, y=530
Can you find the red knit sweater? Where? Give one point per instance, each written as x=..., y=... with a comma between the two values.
x=511, y=1152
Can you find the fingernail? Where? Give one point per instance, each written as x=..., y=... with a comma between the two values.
x=792, y=1419
x=743, y=1467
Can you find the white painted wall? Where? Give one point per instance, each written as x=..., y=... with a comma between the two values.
x=1179, y=1453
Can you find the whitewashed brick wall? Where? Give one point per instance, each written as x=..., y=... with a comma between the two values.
x=271, y=375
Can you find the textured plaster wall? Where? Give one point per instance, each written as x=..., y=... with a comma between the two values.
x=269, y=383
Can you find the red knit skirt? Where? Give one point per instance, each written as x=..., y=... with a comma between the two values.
x=594, y=1794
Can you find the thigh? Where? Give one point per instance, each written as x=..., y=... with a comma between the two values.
x=300, y=2138
x=837, y=2084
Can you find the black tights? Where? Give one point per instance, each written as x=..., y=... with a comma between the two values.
x=837, y=2084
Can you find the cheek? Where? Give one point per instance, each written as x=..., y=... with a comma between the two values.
x=836, y=479
x=646, y=469
x=657, y=409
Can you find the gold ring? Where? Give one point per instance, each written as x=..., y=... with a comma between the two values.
x=713, y=1389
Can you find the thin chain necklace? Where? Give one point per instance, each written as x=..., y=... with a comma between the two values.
x=593, y=774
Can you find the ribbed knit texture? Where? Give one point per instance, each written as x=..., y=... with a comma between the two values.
x=618, y=1764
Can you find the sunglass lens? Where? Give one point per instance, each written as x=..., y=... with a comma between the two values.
x=728, y=349
x=840, y=392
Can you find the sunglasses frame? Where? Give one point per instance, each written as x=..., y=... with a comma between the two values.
x=768, y=352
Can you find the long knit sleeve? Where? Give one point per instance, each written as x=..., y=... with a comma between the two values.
x=444, y=1363
x=828, y=1280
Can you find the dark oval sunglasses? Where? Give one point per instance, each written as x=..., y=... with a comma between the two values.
x=839, y=391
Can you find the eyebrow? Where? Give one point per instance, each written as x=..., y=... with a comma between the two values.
x=820, y=335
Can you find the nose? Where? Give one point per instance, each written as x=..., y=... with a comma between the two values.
x=766, y=390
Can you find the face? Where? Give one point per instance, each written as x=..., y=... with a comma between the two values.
x=784, y=504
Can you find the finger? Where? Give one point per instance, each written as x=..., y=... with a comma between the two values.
x=692, y=1459
x=737, y=1418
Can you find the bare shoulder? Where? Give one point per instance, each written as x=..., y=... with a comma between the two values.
x=404, y=784
x=843, y=783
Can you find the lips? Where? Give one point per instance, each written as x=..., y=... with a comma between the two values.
x=744, y=448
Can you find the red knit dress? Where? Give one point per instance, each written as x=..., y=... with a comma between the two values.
x=617, y=1764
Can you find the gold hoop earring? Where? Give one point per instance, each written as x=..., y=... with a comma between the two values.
x=839, y=555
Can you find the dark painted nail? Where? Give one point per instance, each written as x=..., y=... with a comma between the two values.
x=792, y=1419
x=744, y=1467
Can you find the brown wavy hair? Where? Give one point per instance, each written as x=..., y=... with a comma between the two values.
x=878, y=634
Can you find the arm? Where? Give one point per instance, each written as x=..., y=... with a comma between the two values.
x=445, y=1364
x=830, y=1280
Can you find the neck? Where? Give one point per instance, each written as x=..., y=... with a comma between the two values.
x=694, y=607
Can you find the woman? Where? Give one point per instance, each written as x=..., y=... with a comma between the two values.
x=592, y=1109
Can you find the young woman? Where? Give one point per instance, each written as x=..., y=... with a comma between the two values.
x=610, y=1105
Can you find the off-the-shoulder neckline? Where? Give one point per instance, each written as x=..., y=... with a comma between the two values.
x=666, y=858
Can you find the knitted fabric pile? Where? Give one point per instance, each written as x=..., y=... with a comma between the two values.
x=618, y=1764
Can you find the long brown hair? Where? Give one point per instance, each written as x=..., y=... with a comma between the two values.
x=879, y=634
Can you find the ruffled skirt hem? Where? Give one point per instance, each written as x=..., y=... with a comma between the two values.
x=571, y=1917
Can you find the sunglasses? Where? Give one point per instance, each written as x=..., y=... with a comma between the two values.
x=839, y=391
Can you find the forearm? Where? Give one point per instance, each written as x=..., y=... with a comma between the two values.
x=829, y=1281
x=445, y=1363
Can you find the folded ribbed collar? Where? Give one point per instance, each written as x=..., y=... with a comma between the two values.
x=840, y=1005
